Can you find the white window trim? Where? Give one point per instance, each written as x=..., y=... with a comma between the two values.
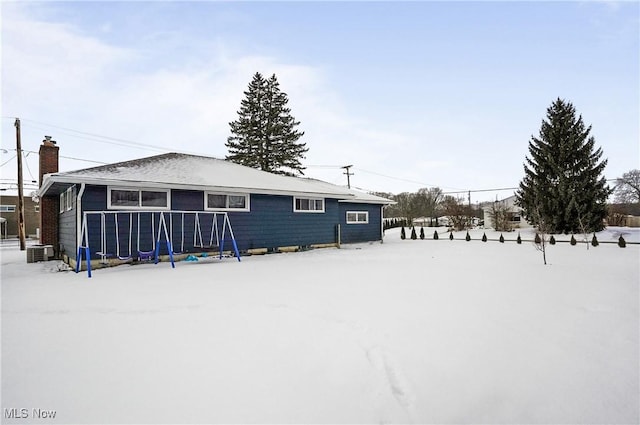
x=295, y=198
x=70, y=198
x=62, y=201
x=139, y=207
x=247, y=202
x=357, y=222
x=8, y=208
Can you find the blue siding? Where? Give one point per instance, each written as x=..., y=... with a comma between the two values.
x=271, y=223
x=352, y=233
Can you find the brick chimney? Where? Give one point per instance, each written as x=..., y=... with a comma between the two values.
x=48, y=157
x=49, y=205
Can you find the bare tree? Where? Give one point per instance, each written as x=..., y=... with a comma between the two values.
x=459, y=213
x=542, y=231
x=426, y=202
x=627, y=189
x=500, y=217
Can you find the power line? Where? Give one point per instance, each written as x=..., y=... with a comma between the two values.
x=8, y=160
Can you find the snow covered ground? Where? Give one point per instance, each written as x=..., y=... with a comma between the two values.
x=401, y=332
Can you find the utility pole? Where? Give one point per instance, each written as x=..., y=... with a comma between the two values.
x=346, y=167
x=20, y=191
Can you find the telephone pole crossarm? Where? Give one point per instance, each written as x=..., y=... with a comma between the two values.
x=348, y=174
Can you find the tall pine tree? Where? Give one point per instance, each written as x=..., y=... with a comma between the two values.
x=563, y=188
x=264, y=136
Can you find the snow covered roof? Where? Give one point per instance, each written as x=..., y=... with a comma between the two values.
x=191, y=172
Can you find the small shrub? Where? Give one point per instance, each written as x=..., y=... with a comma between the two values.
x=594, y=241
x=519, y=240
x=537, y=239
x=467, y=238
x=414, y=236
x=403, y=235
x=484, y=237
x=451, y=236
x=501, y=238
x=621, y=242
x=436, y=237
x=573, y=240
x=552, y=240
x=421, y=232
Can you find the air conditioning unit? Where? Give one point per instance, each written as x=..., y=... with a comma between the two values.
x=39, y=253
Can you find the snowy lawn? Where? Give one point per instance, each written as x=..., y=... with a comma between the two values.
x=401, y=332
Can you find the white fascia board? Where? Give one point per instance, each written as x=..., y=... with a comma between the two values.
x=49, y=179
x=368, y=201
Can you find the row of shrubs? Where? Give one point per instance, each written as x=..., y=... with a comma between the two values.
x=538, y=240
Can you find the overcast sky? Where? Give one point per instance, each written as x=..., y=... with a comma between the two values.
x=412, y=94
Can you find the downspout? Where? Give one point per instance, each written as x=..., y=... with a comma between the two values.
x=79, y=215
x=381, y=223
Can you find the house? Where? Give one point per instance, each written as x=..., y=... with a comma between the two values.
x=514, y=218
x=9, y=217
x=265, y=211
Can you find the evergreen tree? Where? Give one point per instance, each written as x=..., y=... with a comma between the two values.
x=573, y=240
x=594, y=240
x=421, y=232
x=484, y=237
x=451, y=236
x=501, y=238
x=621, y=242
x=436, y=237
x=264, y=136
x=563, y=187
x=552, y=240
x=403, y=235
x=468, y=237
x=413, y=233
x=519, y=240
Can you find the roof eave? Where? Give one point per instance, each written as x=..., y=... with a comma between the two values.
x=49, y=179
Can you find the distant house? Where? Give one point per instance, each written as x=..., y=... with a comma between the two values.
x=514, y=214
x=9, y=216
x=266, y=211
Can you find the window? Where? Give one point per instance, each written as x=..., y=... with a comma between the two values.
x=357, y=217
x=7, y=208
x=152, y=199
x=70, y=198
x=227, y=202
x=36, y=208
x=310, y=205
x=62, y=201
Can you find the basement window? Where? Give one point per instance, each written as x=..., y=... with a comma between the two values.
x=357, y=217
x=308, y=205
x=132, y=199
